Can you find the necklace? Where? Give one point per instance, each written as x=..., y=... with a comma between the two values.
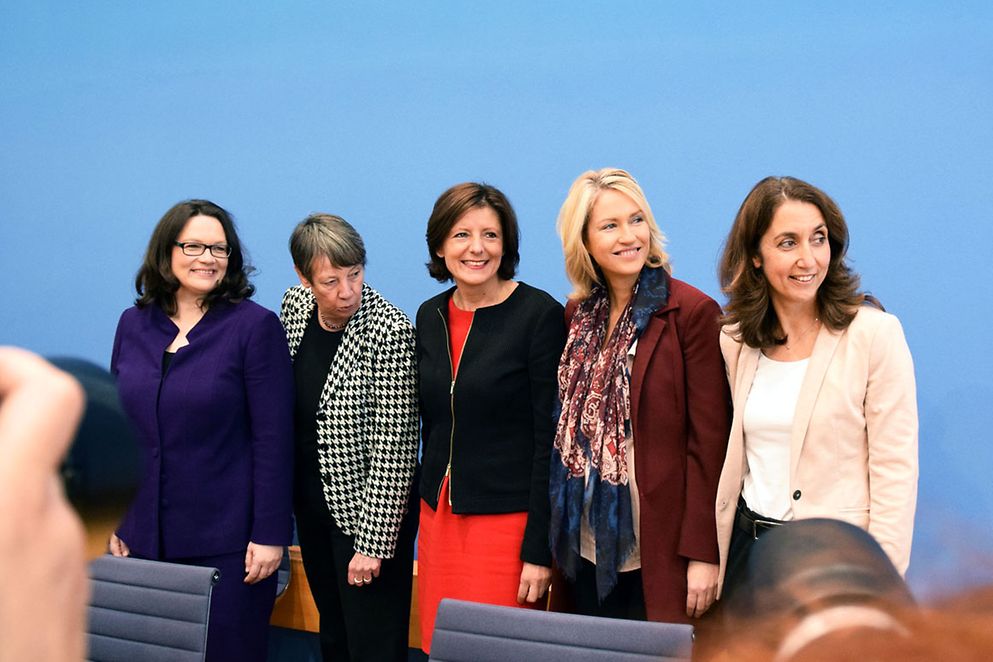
x=800, y=336
x=331, y=326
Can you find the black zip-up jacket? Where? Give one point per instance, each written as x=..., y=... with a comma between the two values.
x=503, y=399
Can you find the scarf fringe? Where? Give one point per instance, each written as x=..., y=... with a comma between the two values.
x=610, y=519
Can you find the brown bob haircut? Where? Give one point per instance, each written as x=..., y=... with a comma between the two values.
x=450, y=207
x=155, y=282
x=749, y=304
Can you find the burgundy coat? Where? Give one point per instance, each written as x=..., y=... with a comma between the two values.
x=680, y=413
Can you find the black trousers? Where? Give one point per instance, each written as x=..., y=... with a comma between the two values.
x=736, y=576
x=358, y=623
x=712, y=630
x=626, y=600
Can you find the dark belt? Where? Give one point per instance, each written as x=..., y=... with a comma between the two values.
x=752, y=523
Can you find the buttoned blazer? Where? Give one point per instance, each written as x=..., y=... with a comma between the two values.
x=366, y=418
x=216, y=430
x=853, y=453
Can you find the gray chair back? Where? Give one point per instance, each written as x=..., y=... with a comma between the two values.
x=472, y=632
x=148, y=610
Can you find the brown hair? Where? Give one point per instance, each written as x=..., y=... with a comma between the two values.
x=749, y=304
x=450, y=207
x=155, y=282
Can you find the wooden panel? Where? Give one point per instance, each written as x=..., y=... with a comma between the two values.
x=414, y=632
x=295, y=609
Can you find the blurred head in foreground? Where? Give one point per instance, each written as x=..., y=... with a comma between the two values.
x=820, y=589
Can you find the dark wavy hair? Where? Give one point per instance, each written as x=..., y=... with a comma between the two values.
x=450, y=207
x=155, y=282
x=745, y=285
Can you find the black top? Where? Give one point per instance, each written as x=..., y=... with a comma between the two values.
x=311, y=366
x=503, y=409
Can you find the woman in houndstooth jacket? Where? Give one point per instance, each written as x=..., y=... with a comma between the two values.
x=356, y=443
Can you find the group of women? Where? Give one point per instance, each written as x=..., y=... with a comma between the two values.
x=599, y=438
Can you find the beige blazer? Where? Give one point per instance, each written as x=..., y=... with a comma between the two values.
x=854, y=441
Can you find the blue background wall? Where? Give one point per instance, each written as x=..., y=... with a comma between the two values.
x=110, y=112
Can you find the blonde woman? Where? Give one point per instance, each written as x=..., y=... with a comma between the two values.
x=645, y=415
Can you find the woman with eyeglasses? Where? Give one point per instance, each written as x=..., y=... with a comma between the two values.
x=204, y=375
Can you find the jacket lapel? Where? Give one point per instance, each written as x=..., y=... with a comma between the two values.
x=646, y=350
x=747, y=364
x=820, y=360
x=298, y=317
x=643, y=354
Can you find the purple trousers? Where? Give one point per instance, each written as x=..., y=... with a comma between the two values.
x=238, y=630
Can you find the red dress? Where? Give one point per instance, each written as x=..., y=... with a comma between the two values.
x=466, y=557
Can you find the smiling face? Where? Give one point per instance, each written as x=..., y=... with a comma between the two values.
x=794, y=254
x=338, y=290
x=617, y=237
x=473, y=249
x=198, y=275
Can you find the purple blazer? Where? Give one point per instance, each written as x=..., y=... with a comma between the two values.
x=217, y=432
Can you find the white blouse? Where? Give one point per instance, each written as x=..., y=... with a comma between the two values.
x=768, y=426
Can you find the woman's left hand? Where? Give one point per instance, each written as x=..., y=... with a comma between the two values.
x=362, y=569
x=535, y=580
x=261, y=561
x=701, y=587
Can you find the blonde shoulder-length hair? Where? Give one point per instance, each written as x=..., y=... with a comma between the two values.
x=574, y=216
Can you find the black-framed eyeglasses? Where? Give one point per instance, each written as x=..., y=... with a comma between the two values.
x=195, y=248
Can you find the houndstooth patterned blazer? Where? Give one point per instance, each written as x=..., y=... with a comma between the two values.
x=367, y=433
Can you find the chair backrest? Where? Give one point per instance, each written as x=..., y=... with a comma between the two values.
x=472, y=632
x=148, y=610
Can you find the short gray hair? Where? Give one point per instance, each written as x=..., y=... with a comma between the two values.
x=325, y=235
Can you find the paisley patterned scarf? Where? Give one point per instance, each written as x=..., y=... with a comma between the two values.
x=594, y=422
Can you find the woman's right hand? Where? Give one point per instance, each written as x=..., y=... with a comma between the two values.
x=701, y=584
x=535, y=580
x=118, y=546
